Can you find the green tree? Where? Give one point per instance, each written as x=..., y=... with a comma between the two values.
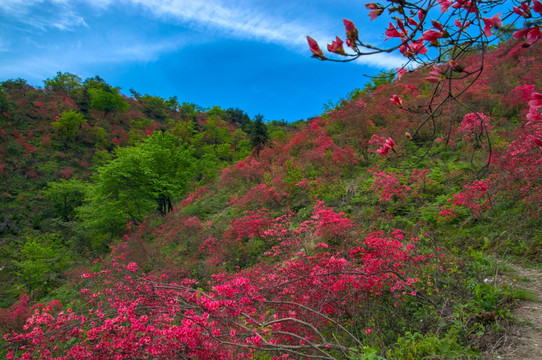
x=107, y=100
x=4, y=103
x=145, y=177
x=217, y=132
x=63, y=82
x=153, y=106
x=65, y=196
x=259, y=135
x=43, y=259
x=238, y=116
x=68, y=126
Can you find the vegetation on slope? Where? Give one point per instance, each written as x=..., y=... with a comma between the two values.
x=352, y=237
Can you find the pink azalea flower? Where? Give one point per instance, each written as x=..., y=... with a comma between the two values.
x=351, y=31
x=421, y=15
x=460, y=24
x=336, y=46
x=349, y=26
x=383, y=151
x=537, y=6
x=533, y=35
x=431, y=35
x=492, y=22
x=523, y=10
x=530, y=34
x=375, y=12
x=412, y=22
x=389, y=142
x=536, y=100
x=444, y=5
x=401, y=72
x=405, y=50
x=437, y=25
x=315, y=48
x=537, y=141
x=397, y=100
x=418, y=47
x=436, y=75
x=392, y=32
x=533, y=116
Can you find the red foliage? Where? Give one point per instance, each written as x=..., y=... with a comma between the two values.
x=388, y=186
x=475, y=197
x=29, y=148
x=66, y=173
x=330, y=225
x=195, y=195
x=262, y=195
x=474, y=125
x=14, y=317
x=248, y=170
x=269, y=307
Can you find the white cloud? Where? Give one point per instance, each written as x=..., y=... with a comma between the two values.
x=382, y=61
x=52, y=14
x=238, y=21
x=244, y=20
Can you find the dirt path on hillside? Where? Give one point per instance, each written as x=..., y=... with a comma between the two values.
x=525, y=340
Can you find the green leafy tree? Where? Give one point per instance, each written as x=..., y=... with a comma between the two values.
x=153, y=106
x=143, y=178
x=65, y=196
x=217, y=132
x=68, y=126
x=4, y=103
x=238, y=116
x=107, y=100
x=189, y=111
x=43, y=259
x=259, y=135
x=63, y=82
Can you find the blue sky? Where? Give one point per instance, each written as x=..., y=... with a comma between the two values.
x=250, y=54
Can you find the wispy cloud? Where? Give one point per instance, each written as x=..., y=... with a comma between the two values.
x=248, y=22
x=241, y=20
x=57, y=14
x=283, y=25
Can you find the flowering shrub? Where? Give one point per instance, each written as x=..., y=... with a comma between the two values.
x=295, y=307
x=474, y=125
x=262, y=195
x=330, y=225
x=388, y=186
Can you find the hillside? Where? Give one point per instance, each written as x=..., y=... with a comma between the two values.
x=53, y=142
x=358, y=235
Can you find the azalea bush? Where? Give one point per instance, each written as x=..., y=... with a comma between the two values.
x=437, y=37
x=319, y=304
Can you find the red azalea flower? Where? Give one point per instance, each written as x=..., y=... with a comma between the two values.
x=351, y=31
x=431, y=35
x=315, y=48
x=537, y=6
x=444, y=5
x=492, y=22
x=397, y=100
x=336, y=46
